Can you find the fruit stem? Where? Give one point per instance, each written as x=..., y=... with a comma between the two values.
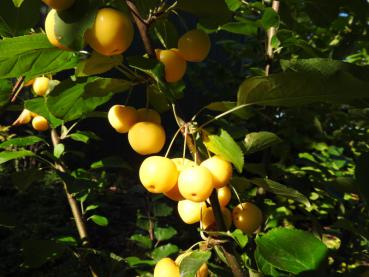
x=172, y=141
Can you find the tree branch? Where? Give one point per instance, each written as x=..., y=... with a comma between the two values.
x=269, y=49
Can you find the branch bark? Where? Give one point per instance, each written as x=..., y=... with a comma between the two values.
x=269, y=49
x=228, y=248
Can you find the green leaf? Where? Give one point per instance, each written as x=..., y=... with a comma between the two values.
x=305, y=82
x=97, y=64
x=164, y=251
x=71, y=100
x=19, y=17
x=23, y=179
x=225, y=146
x=31, y=56
x=265, y=266
x=7, y=219
x=211, y=13
x=21, y=142
x=18, y=3
x=164, y=233
x=91, y=207
x=162, y=209
x=5, y=91
x=112, y=162
x=71, y=24
x=84, y=136
x=270, y=18
x=37, y=252
x=38, y=106
x=292, y=250
x=135, y=261
x=240, y=237
x=99, y=220
x=71, y=241
x=258, y=141
x=233, y=5
x=362, y=175
x=59, y=150
x=6, y=156
x=141, y=240
x=281, y=190
x=192, y=263
x=247, y=28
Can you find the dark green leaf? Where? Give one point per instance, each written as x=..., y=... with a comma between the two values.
x=31, y=56
x=135, y=261
x=166, y=32
x=225, y=146
x=97, y=64
x=282, y=190
x=5, y=90
x=248, y=28
x=307, y=81
x=258, y=141
x=164, y=233
x=37, y=252
x=71, y=100
x=265, y=266
x=112, y=162
x=99, y=220
x=224, y=106
x=292, y=250
x=6, y=156
x=142, y=240
x=164, y=251
x=21, y=17
x=21, y=141
x=192, y=263
x=23, y=179
x=362, y=175
x=162, y=209
x=270, y=18
x=233, y=5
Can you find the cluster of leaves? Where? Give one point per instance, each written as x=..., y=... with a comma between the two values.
x=299, y=143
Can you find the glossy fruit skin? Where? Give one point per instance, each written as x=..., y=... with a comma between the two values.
x=166, y=267
x=59, y=4
x=220, y=169
x=41, y=85
x=50, y=30
x=122, y=118
x=224, y=195
x=195, y=183
x=158, y=174
x=24, y=118
x=203, y=270
x=194, y=45
x=146, y=138
x=174, y=65
x=148, y=115
x=247, y=217
x=208, y=218
x=181, y=164
x=112, y=32
x=40, y=123
x=189, y=211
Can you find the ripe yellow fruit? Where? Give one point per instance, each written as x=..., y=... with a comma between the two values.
x=50, y=30
x=148, y=115
x=158, y=174
x=203, y=271
x=122, y=118
x=181, y=164
x=41, y=85
x=224, y=196
x=194, y=45
x=40, y=123
x=146, y=138
x=166, y=267
x=220, y=169
x=189, y=211
x=208, y=218
x=24, y=118
x=247, y=217
x=174, y=65
x=195, y=183
x=59, y=4
x=112, y=32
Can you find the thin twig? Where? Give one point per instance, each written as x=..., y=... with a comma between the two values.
x=269, y=48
